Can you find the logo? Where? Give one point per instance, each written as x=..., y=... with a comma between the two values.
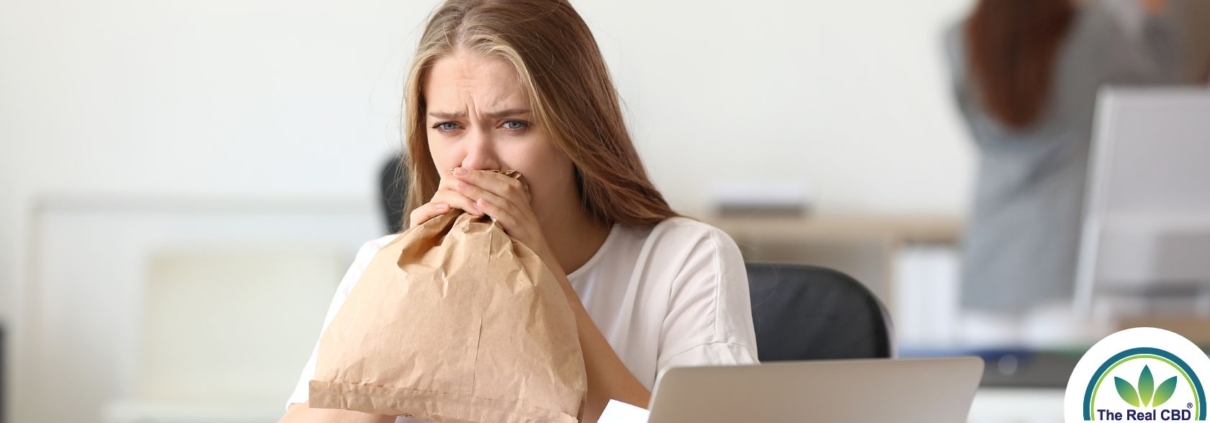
x=1140, y=374
x=1141, y=395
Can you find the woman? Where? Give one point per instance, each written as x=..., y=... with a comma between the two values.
x=522, y=85
x=1026, y=74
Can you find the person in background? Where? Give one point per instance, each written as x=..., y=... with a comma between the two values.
x=1025, y=75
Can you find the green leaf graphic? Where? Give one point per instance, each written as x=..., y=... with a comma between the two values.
x=1146, y=386
x=1126, y=391
x=1164, y=391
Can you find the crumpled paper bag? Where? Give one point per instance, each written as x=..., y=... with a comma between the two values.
x=454, y=321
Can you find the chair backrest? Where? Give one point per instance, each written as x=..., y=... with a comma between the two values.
x=806, y=312
x=393, y=192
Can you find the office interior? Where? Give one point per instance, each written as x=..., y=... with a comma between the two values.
x=184, y=184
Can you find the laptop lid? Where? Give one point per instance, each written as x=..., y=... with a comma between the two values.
x=932, y=390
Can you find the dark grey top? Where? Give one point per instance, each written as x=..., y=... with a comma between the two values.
x=1023, y=233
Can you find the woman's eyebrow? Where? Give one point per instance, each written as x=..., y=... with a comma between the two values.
x=447, y=115
x=506, y=113
x=490, y=115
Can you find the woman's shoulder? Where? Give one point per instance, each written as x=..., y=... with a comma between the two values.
x=373, y=246
x=684, y=238
x=681, y=228
x=380, y=242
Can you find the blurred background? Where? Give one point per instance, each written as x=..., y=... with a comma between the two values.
x=182, y=184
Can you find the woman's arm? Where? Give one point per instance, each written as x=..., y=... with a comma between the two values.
x=608, y=377
x=303, y=413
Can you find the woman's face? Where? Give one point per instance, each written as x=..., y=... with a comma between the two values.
x=479, y=117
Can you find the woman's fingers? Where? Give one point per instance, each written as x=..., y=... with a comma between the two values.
x=442, y=202
x=517, y=221
x=425, y=212
x=485, y=199
x=504, y=186
x=506, y=200
x=447, y=192
x=509, y=219
x=456, y=200
x=445, y=199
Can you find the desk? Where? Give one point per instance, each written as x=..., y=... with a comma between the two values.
x=1006, y=405
x=842, y=228
x=870, y=248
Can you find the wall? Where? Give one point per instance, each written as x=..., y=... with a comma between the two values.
x=299, y=99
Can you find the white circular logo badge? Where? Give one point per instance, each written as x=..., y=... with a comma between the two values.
x=1140, y=374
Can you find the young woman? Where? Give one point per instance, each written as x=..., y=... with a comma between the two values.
x=521, y=85
x=1025, y=77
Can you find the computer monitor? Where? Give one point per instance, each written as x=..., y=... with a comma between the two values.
x=1147, y=209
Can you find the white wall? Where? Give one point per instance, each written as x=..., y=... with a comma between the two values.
x=848, y=97
x=299, y=99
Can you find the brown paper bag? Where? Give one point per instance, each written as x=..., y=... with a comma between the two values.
x=454, y=321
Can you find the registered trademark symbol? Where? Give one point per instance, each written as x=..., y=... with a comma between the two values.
x=1189, y=405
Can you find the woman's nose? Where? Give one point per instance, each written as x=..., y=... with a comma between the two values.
x=480, y=153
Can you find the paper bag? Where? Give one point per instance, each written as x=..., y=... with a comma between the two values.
x=454, y=321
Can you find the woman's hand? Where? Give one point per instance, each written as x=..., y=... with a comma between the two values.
x=505, y=199
x=445, y=199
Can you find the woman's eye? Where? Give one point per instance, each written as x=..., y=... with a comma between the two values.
x=515, y=125
x=445, y=126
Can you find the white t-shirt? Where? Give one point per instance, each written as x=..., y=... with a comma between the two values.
x=675, y=294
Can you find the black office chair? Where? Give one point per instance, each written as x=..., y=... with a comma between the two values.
x=812, y=313
x=393, y=191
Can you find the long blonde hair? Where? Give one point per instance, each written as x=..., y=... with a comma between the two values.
x=569, y=87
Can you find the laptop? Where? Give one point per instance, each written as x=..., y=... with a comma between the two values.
x=926, y=390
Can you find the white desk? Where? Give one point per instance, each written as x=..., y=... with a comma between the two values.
x=1006, y=405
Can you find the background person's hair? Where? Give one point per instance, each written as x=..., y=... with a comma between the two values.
x=1011, y=49
x=569, y=88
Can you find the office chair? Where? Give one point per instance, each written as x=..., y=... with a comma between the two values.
x=393, y=191
x=812, y=313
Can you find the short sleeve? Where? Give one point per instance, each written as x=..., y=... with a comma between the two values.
x=709, y=318
x=364, y=255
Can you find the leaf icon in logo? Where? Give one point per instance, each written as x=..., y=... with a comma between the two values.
x=1146, y=386
x=1126, y=391
x=1164, y=392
